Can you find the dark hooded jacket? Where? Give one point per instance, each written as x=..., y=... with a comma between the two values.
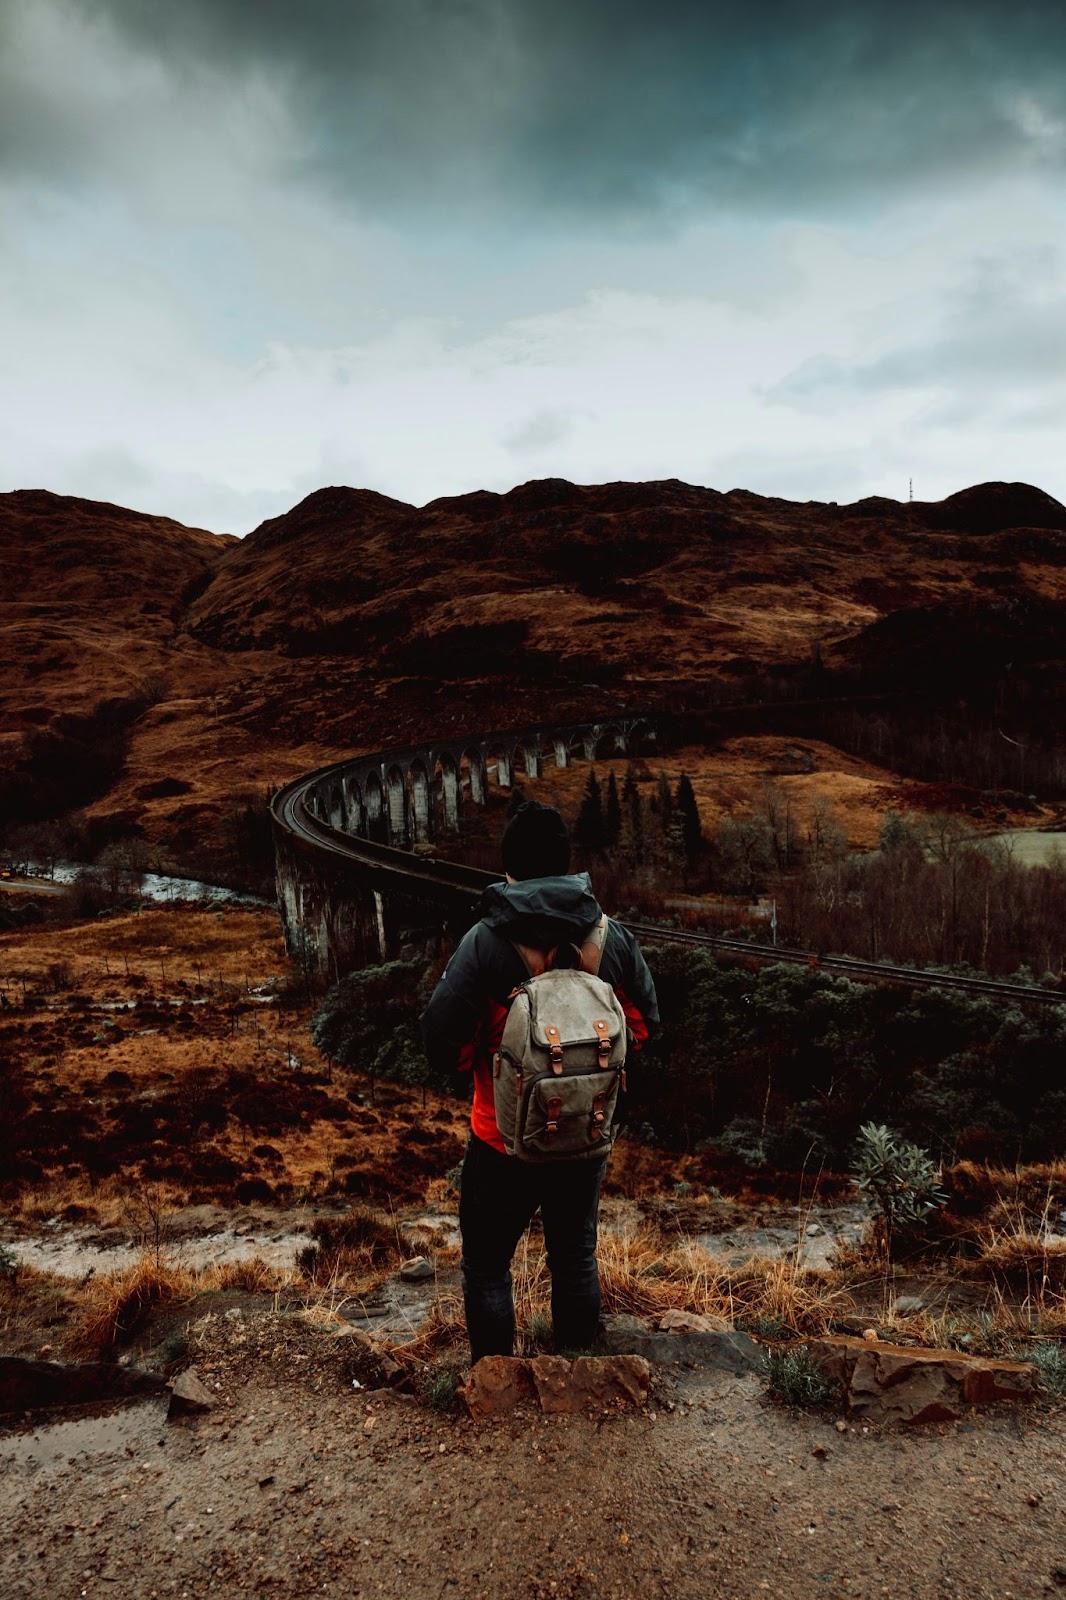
x=463, y=1023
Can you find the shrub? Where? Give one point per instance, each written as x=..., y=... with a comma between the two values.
x=349, y=1244
x=796, y=1379
x=1050, y=1360
x=438, y=1387
x=368, y=1022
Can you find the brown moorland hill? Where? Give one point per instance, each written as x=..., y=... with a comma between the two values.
x=356, y=620
x=92, y=594
x=107, y=706
x=642, y=581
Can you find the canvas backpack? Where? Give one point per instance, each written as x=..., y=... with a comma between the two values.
x=561, y=1061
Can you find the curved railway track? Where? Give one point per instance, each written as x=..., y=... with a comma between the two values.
x=387, y=866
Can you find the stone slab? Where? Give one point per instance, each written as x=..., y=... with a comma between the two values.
x=726, y=1351
x=901, y=1383
x=497, y=1384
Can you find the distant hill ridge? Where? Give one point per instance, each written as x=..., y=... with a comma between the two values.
x=355, y=621
x=550, y=584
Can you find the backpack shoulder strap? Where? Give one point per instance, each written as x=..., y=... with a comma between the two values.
x=535, y=961
x=591, y=951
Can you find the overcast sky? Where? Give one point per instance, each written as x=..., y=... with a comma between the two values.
x=251, y=247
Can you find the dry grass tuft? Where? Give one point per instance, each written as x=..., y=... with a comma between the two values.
x=445, y=1328
x=643, y=1275
x=346, y=1251
x=253, y=1275
x=1026, y=1263
x=118, y=1302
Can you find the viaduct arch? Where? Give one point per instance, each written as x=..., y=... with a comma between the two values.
x=357, y=871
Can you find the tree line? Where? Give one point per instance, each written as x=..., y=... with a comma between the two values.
x=936, y=892
x=779, y=1067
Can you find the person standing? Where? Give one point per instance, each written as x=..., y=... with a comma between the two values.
x=541, y=907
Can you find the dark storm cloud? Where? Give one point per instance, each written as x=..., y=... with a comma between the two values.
x=626, y=107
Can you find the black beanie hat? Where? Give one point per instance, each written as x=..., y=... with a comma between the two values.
x=536, y=842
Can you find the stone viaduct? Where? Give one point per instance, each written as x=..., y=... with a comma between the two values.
x=356, y=843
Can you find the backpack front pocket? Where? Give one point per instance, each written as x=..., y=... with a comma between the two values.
x=570, y=1113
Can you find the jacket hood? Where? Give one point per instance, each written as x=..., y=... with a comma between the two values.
x=542, y=912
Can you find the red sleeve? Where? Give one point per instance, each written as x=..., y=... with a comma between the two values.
x=486, y=1040
x=638, y=1028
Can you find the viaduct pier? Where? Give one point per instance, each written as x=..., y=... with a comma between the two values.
x=356, y=843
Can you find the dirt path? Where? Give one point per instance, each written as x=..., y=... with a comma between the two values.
x=356, y=1495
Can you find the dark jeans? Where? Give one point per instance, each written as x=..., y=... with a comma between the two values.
x=498, y=1197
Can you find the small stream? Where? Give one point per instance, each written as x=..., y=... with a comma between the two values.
x=812, y=1239
x=153, y=886
x=81, y=1252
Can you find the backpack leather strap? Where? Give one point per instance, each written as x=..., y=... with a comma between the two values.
x=590, y=952
x=535, y=961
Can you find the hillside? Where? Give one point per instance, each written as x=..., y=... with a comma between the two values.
x=554, y=579
x=355, y=620
x=92, y=595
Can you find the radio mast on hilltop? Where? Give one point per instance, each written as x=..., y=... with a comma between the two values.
x=910, y=491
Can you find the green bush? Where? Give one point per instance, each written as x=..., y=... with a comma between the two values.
x=796, y=1379
x=901, y=1178
x=438, y=1387
x=1050, y=1360
x=780, y=1067
x=368, y=1022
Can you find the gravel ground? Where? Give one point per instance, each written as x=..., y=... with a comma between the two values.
x=710, y=1492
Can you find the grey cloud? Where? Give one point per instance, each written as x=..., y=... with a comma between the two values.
x=998, y=331
x=618, y=107
x=540, y=431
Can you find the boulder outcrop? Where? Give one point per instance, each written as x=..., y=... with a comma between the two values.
x=899, y=1383
x=498, y=1384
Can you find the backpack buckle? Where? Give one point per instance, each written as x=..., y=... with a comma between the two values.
x=555, y=1048
x=603, y=1038
x=555, y=1105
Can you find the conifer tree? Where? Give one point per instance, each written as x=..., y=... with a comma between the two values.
x=633, y=810
x=690, y=829
x=612, y=817
x=664, y=804
x=590, y=830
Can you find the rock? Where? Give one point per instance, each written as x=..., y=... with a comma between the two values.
x=567, y=1387
x=188, y=1396
x=870, y=1335
x=551, y=1379
x=603, y=1379
x=496, y=1385
x=691, y=1322
x=906, y=1305
x=416, y=1270
x=560, y=1387
x=369, y=1364
x=726, y=1351
x=891, y=1382
x=814, y=1229
x=32, y=1385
